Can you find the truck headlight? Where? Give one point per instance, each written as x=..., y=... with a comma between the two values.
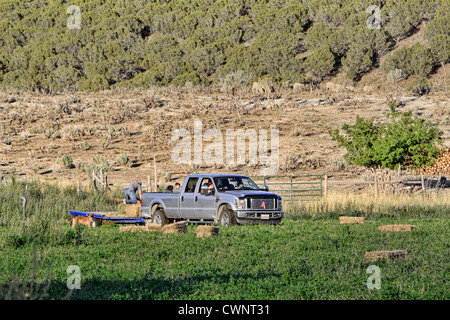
x=280, y=204
x=240, y=204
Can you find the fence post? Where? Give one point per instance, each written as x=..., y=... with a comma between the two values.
x=154, y=165
x=291, y=187
x=325, y=189
x=423, y=183
x=376, y=185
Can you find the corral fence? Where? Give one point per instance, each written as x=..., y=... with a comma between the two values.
x=293, y=187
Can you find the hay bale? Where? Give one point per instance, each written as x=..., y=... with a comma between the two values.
x=147, y=228
x=397, y=227
x=153, y=227
x=132, y=229
x=176, y=228
x=129, y=210
x=388, y=255
x=207, y=231
x=133, y=210
x=344, y=219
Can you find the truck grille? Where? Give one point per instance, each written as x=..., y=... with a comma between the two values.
x=257, y=204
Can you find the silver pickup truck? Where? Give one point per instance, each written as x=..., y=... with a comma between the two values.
x=214, y=198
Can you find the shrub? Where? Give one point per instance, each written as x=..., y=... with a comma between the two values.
x=84, y=145
x=191, y=77
x=96, y=165
x=399, y=59
x=403, y=140
x=416, y=60
x=440, y=45
x=122, y=160
x=320, y=63
x=98, y=82
x=399, y=22
x=233, y=81
x=422, y=60
x=358, y=60
x=318, y=35
x=395, y=75
x=420, y=86
x=65, y=161
x=12, y=170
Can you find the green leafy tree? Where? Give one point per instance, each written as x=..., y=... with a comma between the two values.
x=142, y=43
x=403, y=140
x=422, y=60
x=95, y=83
x=416, y=60
x=440, y=46
x=438, y=37
x=399, y=23
x=320, y=63
x=358, y=60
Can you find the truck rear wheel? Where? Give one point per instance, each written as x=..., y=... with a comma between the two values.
x=226, y=218
x=159, y=217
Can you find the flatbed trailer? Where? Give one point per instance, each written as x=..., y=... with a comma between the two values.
x=108, y=218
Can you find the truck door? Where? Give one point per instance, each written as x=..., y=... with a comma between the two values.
x=188, y=198
x=205, y=207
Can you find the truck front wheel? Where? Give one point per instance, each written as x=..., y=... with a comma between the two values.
x=226, y=218
x=159, y=217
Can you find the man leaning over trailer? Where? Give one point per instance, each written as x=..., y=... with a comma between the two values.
x=130, y=192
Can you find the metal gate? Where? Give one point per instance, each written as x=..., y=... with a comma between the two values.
x=293, y=187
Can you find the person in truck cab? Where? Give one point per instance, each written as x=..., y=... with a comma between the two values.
x=204, y=183
x=210, y=186
x=130, y=192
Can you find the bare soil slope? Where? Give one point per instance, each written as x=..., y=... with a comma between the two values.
x=37, y=129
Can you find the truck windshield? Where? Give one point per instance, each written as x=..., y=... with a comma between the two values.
x=235, y=183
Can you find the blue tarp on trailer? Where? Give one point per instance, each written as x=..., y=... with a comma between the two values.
x=110, y=219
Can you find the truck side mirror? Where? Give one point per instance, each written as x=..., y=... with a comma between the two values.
x=266, y=188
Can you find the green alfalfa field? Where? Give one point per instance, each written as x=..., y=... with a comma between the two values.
x=310, y=255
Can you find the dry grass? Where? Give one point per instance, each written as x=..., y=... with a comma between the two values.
x=140, y=124
x=367, y=204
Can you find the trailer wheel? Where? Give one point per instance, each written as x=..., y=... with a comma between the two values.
x=159, y=217
x=226, y=218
